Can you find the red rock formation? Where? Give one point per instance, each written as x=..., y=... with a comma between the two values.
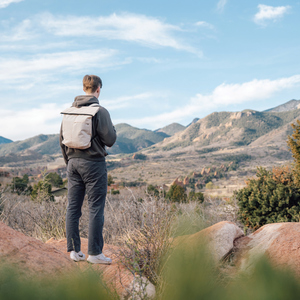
x=178, y=182
x=31, y=254
x=219, y=238
x=36, y=257
x=186, y=181
x=279, y=241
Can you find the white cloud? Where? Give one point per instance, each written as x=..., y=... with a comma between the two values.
x=221, y=5
x=125, y=101
x=204, y=24
x=46, y=118
x=62, y=62
x=221, y=97
x=141, y=29
x=5, y=3
x=21, y=32
x=23, y=124
x=266, y=12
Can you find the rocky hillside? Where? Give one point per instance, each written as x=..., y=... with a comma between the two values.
x=42, y=144
x=233, y=129
x=171, y=129
x=290, y=105
x=131, y=139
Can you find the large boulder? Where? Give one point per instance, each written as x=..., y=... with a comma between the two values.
x=32, y=255
x=280, y=242
x=219, y=238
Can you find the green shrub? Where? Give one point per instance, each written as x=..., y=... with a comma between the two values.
x=199, y=197
x=20, y=185
x=139, y=156
x=42, y=191
x=176, y=193
x=294, y=145
x=110, y=180
x=115, y=192
x=54, y=179
x=211, y=186
x=272, y=197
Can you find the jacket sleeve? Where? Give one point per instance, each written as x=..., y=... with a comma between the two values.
x=62, y=146
x=105, y=128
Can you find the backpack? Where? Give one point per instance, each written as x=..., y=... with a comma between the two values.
x=77, y=126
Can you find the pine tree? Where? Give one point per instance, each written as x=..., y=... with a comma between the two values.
x=272, y=197
x=294, y=145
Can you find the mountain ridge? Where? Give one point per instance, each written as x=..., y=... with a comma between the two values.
x=4, y=140
x=218, y=129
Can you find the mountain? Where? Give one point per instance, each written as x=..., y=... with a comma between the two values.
x=42, y=144
x=290, y=105
x=219, y=129
x=195, y=120
x=131, y=139
x=234, y=129
x=4, y=140
x=171, y=129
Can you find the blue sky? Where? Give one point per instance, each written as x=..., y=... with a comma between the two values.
x=160, y=61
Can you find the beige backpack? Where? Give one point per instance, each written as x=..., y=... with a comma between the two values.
x=77, y=126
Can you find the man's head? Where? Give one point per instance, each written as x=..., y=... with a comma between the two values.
x=92, y=84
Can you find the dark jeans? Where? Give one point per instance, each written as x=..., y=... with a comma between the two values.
x=90, y=177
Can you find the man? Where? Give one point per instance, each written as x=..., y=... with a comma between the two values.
x=86, y=169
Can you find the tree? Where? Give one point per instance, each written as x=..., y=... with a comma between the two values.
x=110, y=180
x=294, y=145
x=176, y=193
x=54, y=179
x=209, y=185
x=20, y=185
x=42, y=191
x=151, y=189
x=199, y=197
x=272, y=197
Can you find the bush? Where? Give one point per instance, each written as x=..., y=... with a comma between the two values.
x=151, y=189
x=294, y=145
x=20, y=185
x=110, y=180
x=272, y=197
x=176, y=193
x=199, y=197
x=115, y=192
x=139, y=156
x=42, y=191
x=54, y=179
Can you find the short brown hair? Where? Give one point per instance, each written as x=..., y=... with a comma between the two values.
x=91, y=83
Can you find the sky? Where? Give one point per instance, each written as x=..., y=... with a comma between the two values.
x=160, y=61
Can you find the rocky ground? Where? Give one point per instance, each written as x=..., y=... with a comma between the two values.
x=280, y=242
